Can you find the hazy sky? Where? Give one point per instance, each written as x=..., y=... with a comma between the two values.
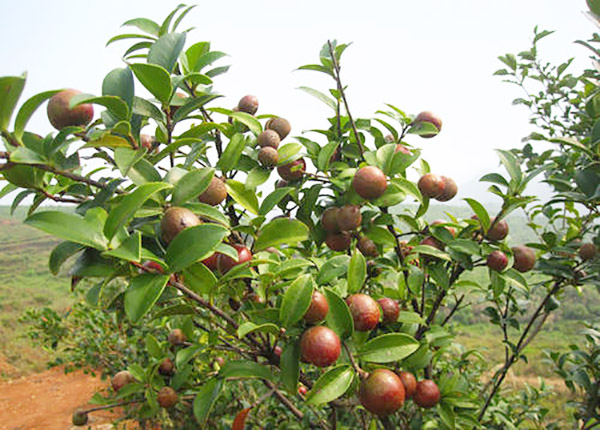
x=436, y=55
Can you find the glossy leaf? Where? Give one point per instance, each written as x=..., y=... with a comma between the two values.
x=244, y=197
x=296, y=301
x=115, y=105
x=205, y=399
x=245, y=369
x=142, y=293
x=11, y=88
x=61, y=253
x=357, y=272
x=129, y=250
x=192, y=185
x=27, y=110
x=331, y=385
x=155, y=79
x=333, y=268
x=338, y=318
x=165, y=51
x=388, y=348
x=272, y=199
x=481, y=212
x=290, y=366
x=281, y=231
x=68, y=227
x=193, y=244
x=119, y=83
x=231, y=155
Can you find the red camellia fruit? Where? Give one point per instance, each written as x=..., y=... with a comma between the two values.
x=587, y=251
x=302, y=390
x=61, y=115
x=369, y=182
x=410, y=383
x=349, y=217
x=390, y=310
x=427, y=394
x=431, y=118
x=431, y=185
x=524, y=258
x=382, y=392
x=248, y=104
x=499, y=230
x=225, y=262
x=211, y=262
x=320, y=346
x=329, y=219
x=450, y=190
x=365, y=312
x=277, y=351
x=318, y=309
x=432, y=241
x=497, y=260
x=338, y=242
x=292, y=171
x=215, y=193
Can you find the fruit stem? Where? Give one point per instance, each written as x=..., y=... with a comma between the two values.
x=361, y=373
x=340, y=88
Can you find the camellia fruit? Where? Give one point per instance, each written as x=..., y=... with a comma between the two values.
x=329, y=219
x=349, y=218
x=120, y=379
x=431, y=185
x=587, y=251
x=364, y=310
x=268, y=138
x=292, y=171
x=499, y=230
x=215, y=193
x=524, y=258
x=390, y=310
x=279, y=125
x=211, y=262
x=410, y=383
x=320, y=346
x=61, y=115
x=167, y=397
x=79, y=418
x=318, y=309
x=367, y=247
x=175, y=220
x=176, y=337
x=268, y=156
x=338, y=241
x=225, y=263
x=497, y=260
x=369, y=182
x=248, y=104
x=431, y=118
x=427, y=394
x=166, y=367
x=382, y=392
x=148, y=142
x=450, y=190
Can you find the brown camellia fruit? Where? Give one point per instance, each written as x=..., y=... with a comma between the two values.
x=382, y=392
x=148, y=142
x=410, y=383
x=167, y=367
x=329, y=219
x=432, y=241
x=318, y=309
x=587, y=251
x=431, y=185
x=450, y=190
x=524, y=258
x=225, y=263
x=364, y=310
x=390, y=310
x=431, y=118
x=167, y=397
x=497, y=260
x=338, y=241
x=369, y=182
x=427, y=394
x=292, y=171
x=389, y=138
x=367, y=247
x=403, y=149
x=349, y=217
x=248, y=104
x=215, y=193
x=175, y=220
x=120, y=379
x=498, y=231
x=79, y=418
x=178, y=100
x=176, y=337
x=451, y=230
x=61, y=115
x=280, y=125
x=268, y=138
x=268, y=157
x=320, y=346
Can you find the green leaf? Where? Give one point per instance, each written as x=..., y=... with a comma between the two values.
x=333, y=268
x=193, y=244
x=319, y=95
x=205, y=399
x=257, y=176
x=192, y=185
x=27, y=110
x=128, y=36
x=465, y=246
x=26, y=156
x=510, y=164
x=248, y=120
x=245, y=369
x=481, y=212
x=208, y=212
x=68, y=227
x=357, y=272
x=317, y=68
x=407, y=187
x=143, y=24
x=296, y=301
x=232, y=153
x=288, y=152
x=430, y=250
x=11, y=88
x=129, y=250
x=388, y=348
x=331, y=385
x=115, y=105
x=290, y=366
x=142, y=293
x=129, y=205
x=143, y=107
x=61, y=253
x=165, y=51
x=153, y=347
x=249, y=327
x=280, y=231
x=272, y=199
x=381, y=236
x=325, y=154
x=119, y=83
x=242, y=196
x=339, y=319
x=200, y=278
x=126, y=158
x=155, y=79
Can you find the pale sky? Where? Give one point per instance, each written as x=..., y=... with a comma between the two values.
x=436, y=55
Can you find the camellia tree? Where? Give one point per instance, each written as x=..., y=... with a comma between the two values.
x=316, y=301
